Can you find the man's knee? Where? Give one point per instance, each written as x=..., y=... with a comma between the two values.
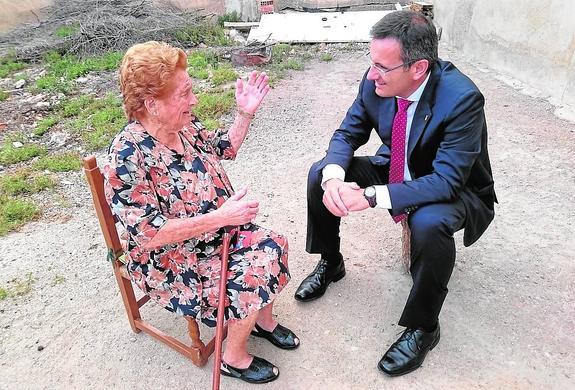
x=428, y=226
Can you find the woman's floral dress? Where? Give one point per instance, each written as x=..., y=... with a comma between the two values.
x=148, y=183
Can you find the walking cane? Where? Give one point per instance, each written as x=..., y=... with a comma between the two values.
x=221, y=308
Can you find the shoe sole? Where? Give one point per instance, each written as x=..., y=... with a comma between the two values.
x=413, y=368
x=224, y=373
x=336, y=278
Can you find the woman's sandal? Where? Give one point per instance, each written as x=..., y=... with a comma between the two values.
x=259, y=371
x=281, y=336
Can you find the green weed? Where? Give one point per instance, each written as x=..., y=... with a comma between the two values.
x=58, y=279
x=53, y=83
x=207, y=33
x=64, y=162
x=45, y=124
x=212, y=105
x=9, y=64
x=73, y=107
x=10, y=155
x=224, y=74
x=23, y=182
x=95, y=120
x=229, y=17
x=3, y=95
x=15, y=213
x=18, y=287
x=66, y=31
x=326, y=57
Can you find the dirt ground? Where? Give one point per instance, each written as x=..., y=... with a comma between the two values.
x=508, y=321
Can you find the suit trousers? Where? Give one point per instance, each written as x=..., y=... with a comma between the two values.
x=432, y=244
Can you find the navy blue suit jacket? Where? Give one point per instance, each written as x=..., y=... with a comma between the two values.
x=447, y=148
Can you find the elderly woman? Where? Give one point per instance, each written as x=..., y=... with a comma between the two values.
x=166, y=185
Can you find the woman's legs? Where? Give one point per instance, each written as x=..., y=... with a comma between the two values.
x=236, y=353
x=265, y=319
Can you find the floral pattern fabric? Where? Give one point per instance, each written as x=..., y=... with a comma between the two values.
x=147, y=183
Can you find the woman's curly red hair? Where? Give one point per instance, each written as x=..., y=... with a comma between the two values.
x=146, y=71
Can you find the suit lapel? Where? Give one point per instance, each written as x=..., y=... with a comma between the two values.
x=386, y=113
x=423, y=112
x=420, y=120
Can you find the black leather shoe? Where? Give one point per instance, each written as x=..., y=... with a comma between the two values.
x=408, y=352
x=259, y=371
x=281, y=336
x=316, y=283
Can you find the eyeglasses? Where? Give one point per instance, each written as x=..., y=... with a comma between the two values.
x=381, y=70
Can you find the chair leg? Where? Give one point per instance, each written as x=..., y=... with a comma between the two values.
x=198, y=348
x=129, y=298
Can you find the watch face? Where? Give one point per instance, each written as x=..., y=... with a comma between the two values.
x=370, y=191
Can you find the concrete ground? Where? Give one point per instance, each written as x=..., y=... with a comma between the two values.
x=508, y=321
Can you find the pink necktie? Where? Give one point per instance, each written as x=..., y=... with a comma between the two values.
x=397, y=165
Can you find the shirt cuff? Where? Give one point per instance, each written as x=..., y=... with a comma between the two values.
x=331, y=171
x=383, y=201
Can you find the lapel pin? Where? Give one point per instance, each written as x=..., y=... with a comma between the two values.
x=426, y=118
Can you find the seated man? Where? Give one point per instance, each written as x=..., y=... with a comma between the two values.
x=432, y=172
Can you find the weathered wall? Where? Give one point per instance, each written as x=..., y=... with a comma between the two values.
x=530, y=40
x=14, y=12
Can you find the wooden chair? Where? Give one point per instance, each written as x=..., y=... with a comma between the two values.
x=197, y=352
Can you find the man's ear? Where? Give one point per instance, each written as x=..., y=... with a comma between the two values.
x=420, y=69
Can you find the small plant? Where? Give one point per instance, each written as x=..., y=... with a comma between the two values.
x=3, y=95
x=18, y=287
x=326, y=57
x=96, y=120
x=73, y=106
x=202, y=74
x=15, y=213
x=11, y=155
x=212, y=105
x=50, y=82
x=293, y=64
x=229, y=17
x=58, y=279
x=45, y=124
x=9, y=64
x=200, y=62
x=23, y=182
x=66, y=30
x=59, y=163
x=207, y=33
x=211, y=124
x=224, y=74
x=280, y=52
x=106, y=62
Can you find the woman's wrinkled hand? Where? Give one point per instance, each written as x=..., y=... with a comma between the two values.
x=238, y=211
x=249, y=95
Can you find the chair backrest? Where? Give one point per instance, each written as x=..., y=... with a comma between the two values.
x=105, y=216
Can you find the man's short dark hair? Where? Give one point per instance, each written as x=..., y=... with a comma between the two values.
x=414, y=31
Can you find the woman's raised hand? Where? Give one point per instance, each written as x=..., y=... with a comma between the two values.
x=249, y=95
x=238, y=211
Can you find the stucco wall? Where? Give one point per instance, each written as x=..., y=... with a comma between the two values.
x=530, y=40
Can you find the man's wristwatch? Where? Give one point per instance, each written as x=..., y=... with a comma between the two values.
x=369, y=194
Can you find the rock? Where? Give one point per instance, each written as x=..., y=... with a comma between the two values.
x=20, y=83
x=17, y=144
x=237, y=37
x=42, y=105
x=82, y=80
x=59, y=138
x=40, y=347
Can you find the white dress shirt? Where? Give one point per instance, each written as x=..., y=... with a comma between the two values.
x=334, y=171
